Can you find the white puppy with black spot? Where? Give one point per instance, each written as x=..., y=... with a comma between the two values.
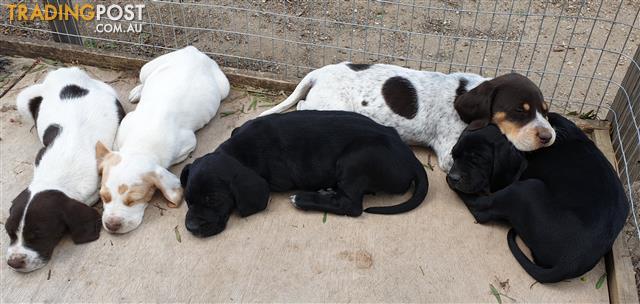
x=180, y=92
x=426, y=108
x=71, y=112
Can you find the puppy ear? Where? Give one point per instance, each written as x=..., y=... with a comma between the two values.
x=250, y=191
x=101, y=152
x=168, y=184
x=476, y=104
x=28, y=102
x=508, y=165
x=82, y=221
x=477, y=124
x=184, y=175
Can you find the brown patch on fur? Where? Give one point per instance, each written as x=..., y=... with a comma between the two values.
x=139, y=193
x=507, y=127
x=105, y=195
x=122, y=188
x=526, y=106
x=101, y=151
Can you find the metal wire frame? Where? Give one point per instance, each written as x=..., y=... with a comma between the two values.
x=576, y=51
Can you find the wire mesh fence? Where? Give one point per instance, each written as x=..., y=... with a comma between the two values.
x=578, y=52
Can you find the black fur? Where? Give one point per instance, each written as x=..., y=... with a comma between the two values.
x=302, y=150
x=565, y=201
x=50, y=135
x=34, y=108
x=358, y=66
x=462, y=87
x=121, y=112
x=401, y=96
x=73, y=91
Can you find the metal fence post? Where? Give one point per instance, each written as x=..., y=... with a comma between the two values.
x=65, y=31
x=627, y=106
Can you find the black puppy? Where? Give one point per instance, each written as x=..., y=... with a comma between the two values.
x=305, y=150
x=565, y=201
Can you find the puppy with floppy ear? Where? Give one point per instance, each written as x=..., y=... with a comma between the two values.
x=515, y=104
x=128, y=183
x=283, y=152
x=180, y=92
x=211, y=199
x=71, y=112
x=566, y=201
x=493, y=164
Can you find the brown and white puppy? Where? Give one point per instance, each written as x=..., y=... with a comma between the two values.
x=71, y=113
x=515, y=104
x=180, y=92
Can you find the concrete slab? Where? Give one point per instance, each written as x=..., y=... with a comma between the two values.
x=435, y=253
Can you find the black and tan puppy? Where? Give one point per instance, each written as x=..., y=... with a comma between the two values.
x=565, y=201
x=303, y=150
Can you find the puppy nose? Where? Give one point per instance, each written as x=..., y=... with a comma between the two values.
x=544, y=136
x=17, y=261
x=113, y=224
x=454, y=177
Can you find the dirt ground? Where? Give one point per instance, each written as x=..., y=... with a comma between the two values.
x=435, y=253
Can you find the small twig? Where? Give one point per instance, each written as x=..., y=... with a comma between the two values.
x=508, y=297
x=49, y=275
x=33, y=65
x=262, y=92
x=421, y=270
x=228, y=113
x=178, y=238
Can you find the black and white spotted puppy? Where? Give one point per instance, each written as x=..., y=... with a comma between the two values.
x=420, y=105
x=71, y=112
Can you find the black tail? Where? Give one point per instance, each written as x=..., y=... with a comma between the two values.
x=542, y=275
x=421, y=185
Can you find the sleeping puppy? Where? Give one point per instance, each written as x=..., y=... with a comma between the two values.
x=428, y=108
x=565, y=202
x=347, y=153
x=71, y=113
x=180, y=92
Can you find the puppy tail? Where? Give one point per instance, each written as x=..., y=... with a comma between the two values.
x=421, y=186
x=298, y=94
x=542, y=275
x=135, y=94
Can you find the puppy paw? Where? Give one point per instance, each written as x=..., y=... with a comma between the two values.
x=445, y=163
x=303, y=200
x=482, y=217
x=292, y=199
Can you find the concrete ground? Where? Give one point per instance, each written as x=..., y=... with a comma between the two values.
x=435, y=253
